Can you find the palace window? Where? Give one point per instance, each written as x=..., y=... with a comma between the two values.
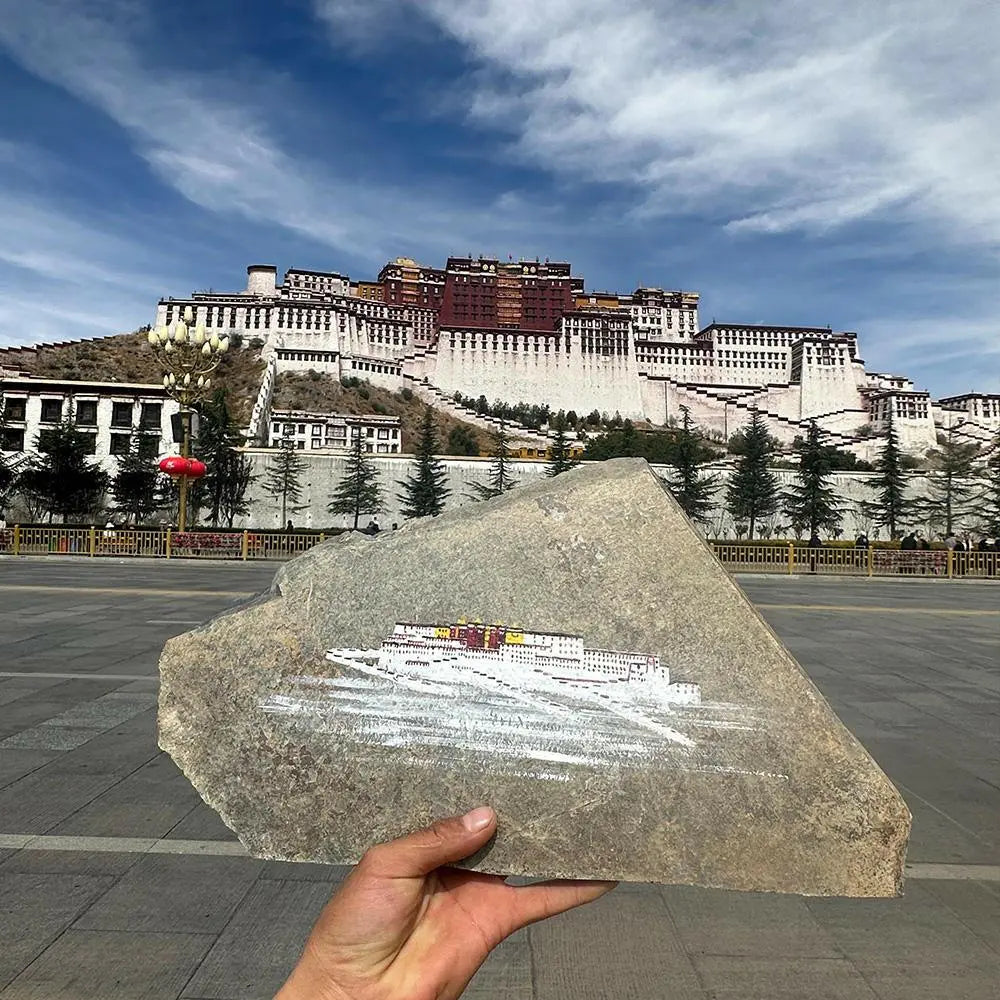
x=86, y=413
x=120, y=444
x=121, y=415
x=14, y=410
x=51, y=411
x=11, y=439
x=151, y=415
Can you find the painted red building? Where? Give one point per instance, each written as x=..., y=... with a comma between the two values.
x=488, y=293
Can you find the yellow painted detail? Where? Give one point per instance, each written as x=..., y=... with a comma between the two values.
x=517, y=638
x=442, y=633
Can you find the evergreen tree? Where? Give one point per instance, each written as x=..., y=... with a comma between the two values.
x=890, y=483
x=222, y=491
x=462, y=440
x=810, y=501
x=989, y=497
x=282, y=479
x=61, y=478
x=560, y=453
x=693, y=491
x=137, y=487
x=424, y=490
x=500, y=478
x=950, y=487
x=752, y=491
x=359, y=491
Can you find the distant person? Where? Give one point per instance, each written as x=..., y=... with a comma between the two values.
x=908, y=544
x=288, y=527
x=861, y=547
x=815, y=542
x=950, y=541
x=373, y=528
x=405, y=925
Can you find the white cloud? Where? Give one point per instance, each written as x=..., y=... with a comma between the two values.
x=206, y=136
x=789, y=115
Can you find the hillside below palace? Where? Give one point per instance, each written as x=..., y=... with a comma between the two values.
x=529, y=331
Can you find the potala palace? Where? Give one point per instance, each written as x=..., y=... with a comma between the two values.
x=529, y=331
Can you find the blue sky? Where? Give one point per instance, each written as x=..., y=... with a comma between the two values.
x=796, y=163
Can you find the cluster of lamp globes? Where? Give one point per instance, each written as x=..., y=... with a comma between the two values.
x=170, y=339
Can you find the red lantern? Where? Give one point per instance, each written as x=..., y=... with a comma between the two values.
x=174, y=465
x=196, y=469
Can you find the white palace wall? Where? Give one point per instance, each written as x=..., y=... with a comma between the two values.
x=324, y=472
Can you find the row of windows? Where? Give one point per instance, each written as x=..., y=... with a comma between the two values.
x=12, y=439
x=85, y=413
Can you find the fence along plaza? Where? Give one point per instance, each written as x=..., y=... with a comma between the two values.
x=778, y=557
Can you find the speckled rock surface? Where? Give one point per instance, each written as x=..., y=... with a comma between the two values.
x=758, y=787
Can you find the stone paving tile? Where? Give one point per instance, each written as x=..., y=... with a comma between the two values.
x=165, y=892
x=912, y=947
x=35, y=862
x=976, y=904
x=750, y=977
x=48, y=737
x=506, y=974
x=261, y=944
x=149, y=802
x=40, y=800
x=35, y=910
x=111, y=965
x=15, y=764
x=624, y=946
x=201, y=823
x=301, y=871
x=714, y=922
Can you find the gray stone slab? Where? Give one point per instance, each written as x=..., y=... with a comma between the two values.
x=262, y=942
x=35, y=910
x=714, y=922
x=111, y=965
x=201, y=823
x=976, y=904
x=38, y=801
x=15, y=764
x=303, y=871
x=147, y=803
x=507, y=973
x=42, y=862
x=46, y=737
x=164, y=892
x=913, y=943
x=760, y=787
x=623, y=946
x=750, y=977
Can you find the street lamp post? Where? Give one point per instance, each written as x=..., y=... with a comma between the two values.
x=190, y=354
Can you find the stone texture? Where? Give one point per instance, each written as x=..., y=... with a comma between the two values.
x=773, y=795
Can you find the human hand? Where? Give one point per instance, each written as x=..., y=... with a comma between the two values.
x=402, y=927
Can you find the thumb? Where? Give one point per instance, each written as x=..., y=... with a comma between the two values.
x=441, y=843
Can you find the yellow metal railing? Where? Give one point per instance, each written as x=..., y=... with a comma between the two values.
x=155, y=543
x=845, y=560
x=776, y=557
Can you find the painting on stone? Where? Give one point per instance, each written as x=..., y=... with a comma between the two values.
x=570, y=653
x=528, y=701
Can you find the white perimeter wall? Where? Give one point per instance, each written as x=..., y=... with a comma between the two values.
x=324, y=472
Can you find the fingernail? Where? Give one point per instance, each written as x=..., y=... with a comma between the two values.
x=478, y=819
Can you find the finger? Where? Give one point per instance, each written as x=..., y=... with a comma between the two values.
x=532, y=903
x=441, y=843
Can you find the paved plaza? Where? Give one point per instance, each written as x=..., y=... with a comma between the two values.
x=116, y=883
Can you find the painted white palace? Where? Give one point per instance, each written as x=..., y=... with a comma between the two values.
x=528, y=331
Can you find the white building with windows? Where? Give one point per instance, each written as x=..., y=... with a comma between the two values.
x=110, y=414
x=308, y=430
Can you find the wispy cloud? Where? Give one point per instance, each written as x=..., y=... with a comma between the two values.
x=201, y=135
x=769, y=117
